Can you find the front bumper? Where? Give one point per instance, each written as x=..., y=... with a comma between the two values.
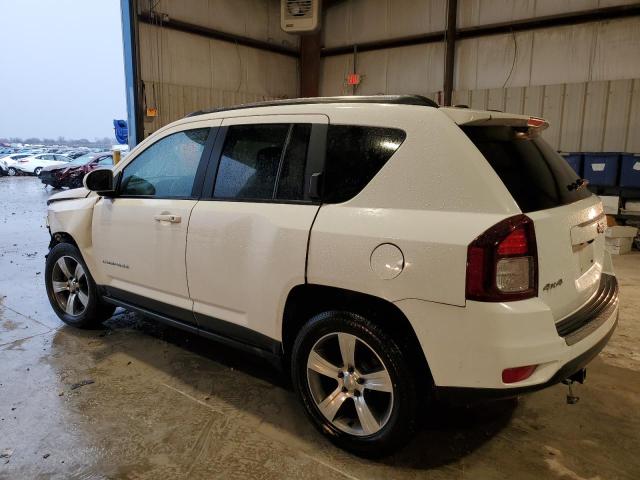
x=47, y=178
x=467, y=348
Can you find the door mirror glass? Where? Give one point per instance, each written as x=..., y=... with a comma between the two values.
x=99, y=181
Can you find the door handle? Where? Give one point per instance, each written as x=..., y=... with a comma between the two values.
x=168, y=218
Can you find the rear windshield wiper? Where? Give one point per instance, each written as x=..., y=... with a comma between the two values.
x=578, y=184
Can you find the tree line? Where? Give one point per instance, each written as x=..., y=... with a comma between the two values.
x=70, y=142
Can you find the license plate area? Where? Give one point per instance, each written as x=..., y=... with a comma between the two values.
x=585, y=256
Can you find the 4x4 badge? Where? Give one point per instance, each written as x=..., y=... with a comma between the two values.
x=552, y=285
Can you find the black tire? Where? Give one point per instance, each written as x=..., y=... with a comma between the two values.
x=400, y=422
x=96, y=310
x=37, y=171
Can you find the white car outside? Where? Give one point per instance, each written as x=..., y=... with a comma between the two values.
x=10, y=162
x=385, y=250
x=35, y=163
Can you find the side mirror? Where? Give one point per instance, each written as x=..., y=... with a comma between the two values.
x=99, y=181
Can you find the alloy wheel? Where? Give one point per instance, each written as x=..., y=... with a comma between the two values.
x=12, y=172
x=350, y=384
x=70, y=286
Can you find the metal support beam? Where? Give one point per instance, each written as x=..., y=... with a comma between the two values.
x=310, y=65
x=430, y=37
x=450, y=50
x=181, y=26
x=563, y=19
x=133, y=86
x=598, y=14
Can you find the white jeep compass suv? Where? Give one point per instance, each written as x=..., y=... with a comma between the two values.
x=387, y=251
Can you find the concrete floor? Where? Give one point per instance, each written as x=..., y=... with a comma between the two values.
x=168, y=405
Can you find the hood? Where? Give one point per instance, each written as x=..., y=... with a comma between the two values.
x=50, y=168
x=69, y=195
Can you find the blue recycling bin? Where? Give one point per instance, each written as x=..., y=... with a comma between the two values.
x=630, y=170
x=601, y=168
x=575, y=160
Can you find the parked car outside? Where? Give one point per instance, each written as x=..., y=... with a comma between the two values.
x=6, y=151
x=71, y=174
x=76, y=153
x=34, y=164
x=10, y=163
x=389, y=253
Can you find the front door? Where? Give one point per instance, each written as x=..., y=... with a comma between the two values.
x=140, y=235
x=247, y=243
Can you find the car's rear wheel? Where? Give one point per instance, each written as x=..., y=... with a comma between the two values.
x=37, y=171
x=356, y=384
x=71, y=290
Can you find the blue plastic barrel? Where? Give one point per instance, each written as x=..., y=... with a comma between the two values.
x=575, y=160
x=602, y=168
x=630, y=170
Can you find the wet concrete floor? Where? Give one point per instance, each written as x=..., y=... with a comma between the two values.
x=164, y=404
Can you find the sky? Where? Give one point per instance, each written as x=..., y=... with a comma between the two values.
x=61, y=68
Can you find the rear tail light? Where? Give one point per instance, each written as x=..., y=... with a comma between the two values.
x=502, y=263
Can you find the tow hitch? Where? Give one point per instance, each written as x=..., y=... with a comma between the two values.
x=579, y=377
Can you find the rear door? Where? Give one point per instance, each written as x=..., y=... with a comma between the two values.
x=247, y=242
x=569, y=220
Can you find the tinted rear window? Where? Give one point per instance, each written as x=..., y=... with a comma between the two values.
x=355, y=154
x=536, y=176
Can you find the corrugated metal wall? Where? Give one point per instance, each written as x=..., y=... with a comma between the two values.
x=182, y=72
x=601, y=116
x=582, y=78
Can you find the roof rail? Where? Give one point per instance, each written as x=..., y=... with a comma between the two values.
x=419, y=100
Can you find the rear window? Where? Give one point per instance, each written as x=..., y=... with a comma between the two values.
x=537, y=177
x=355, y=154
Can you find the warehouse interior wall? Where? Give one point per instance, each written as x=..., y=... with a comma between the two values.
x=185, y=72
x=574, y=76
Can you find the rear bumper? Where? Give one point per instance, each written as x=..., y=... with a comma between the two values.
x=466, y=395
x=467, y=348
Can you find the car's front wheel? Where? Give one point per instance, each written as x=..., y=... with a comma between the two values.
x=356, y=384
x=72, y=291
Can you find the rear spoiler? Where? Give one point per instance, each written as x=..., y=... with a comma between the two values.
x=484, y=118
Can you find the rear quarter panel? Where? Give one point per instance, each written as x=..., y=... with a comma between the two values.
x=431, y=199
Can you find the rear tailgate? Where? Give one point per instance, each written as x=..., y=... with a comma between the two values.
x=571, y=252
x=569, y=221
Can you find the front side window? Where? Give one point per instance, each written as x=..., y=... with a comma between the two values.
x=355, y=154
x=263, y=162
x=167, y=169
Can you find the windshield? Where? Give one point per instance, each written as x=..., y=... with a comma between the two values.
x=537, y=177
x=83, y=159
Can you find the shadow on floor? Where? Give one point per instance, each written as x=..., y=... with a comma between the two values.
x=446, y=434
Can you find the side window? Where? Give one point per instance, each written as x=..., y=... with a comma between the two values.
x=263, y=162
x=355, y=154
x=249, y=161
x=166, y=169
x=290, y=185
